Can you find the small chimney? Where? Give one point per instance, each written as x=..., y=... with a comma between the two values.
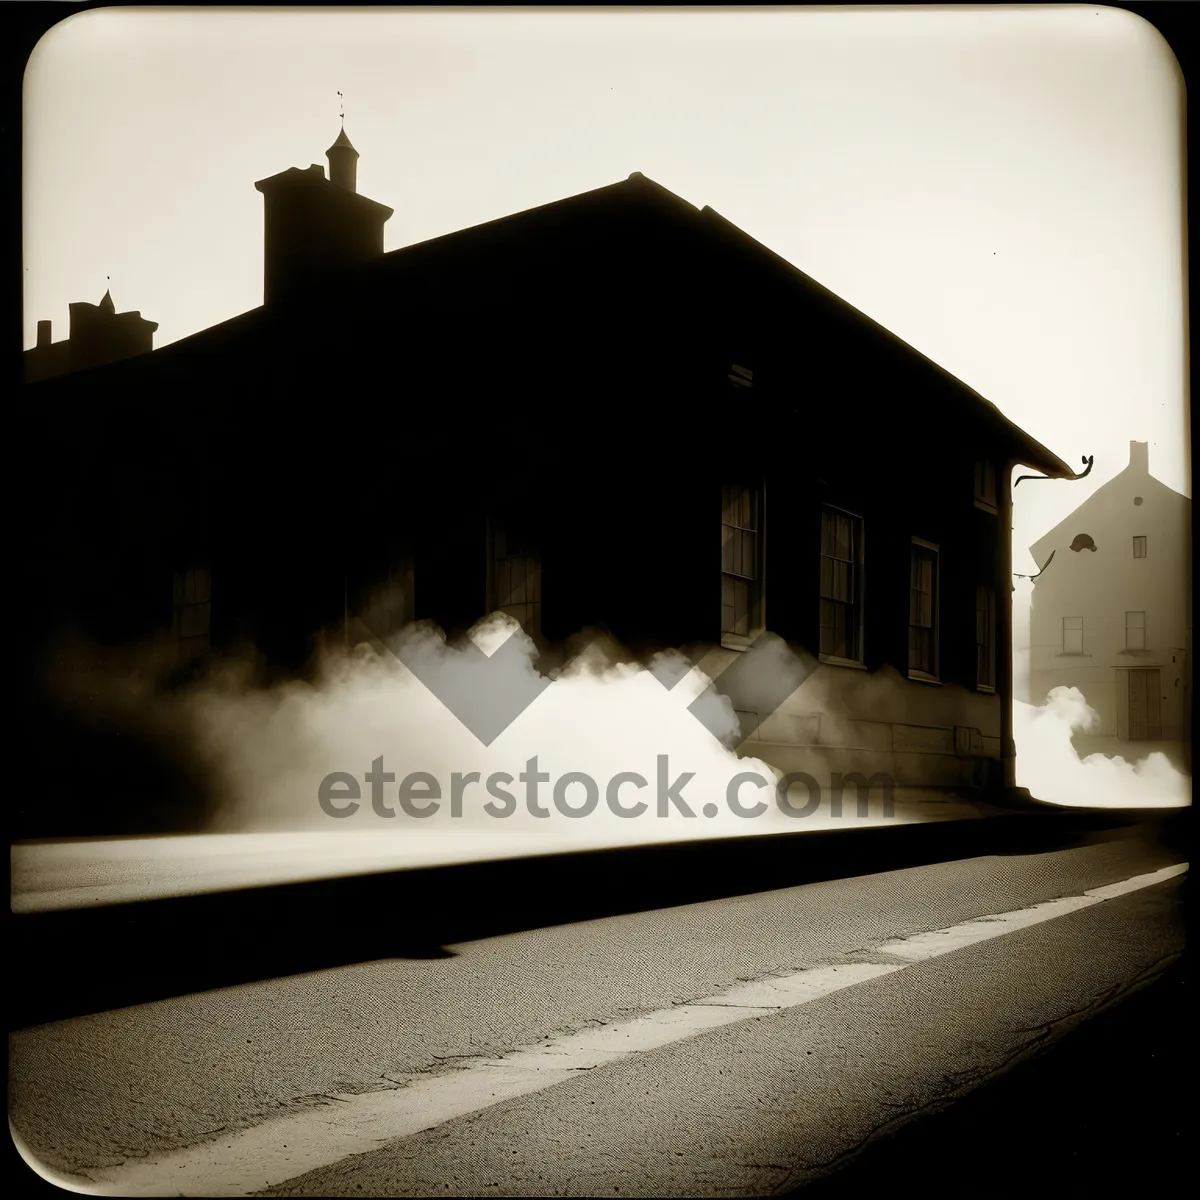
x=44, y=328
x=1139, y=457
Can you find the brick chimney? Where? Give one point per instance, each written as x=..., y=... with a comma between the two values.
x=314, y=226
x=1139, y=458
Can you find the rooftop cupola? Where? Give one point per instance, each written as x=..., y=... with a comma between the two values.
x=343, y=162
x=316, y=227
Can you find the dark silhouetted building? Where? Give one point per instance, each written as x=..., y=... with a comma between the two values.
x=98, y=334
x=555, y=414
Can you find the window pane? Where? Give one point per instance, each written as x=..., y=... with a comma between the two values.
x=735, y=606
x=839, y=583
x=750, y=554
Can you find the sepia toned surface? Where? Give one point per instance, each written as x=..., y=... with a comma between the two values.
x=417, y=821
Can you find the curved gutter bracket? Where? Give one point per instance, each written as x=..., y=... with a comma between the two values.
x=1046, y=563
x=1087, y=467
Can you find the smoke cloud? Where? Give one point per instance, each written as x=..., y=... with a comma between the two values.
x=1050, y=767
x=600, y=727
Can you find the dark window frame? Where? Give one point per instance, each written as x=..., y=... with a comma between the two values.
x=191, y=615
x=834, y=565
x=985, y=638
x=987, y=486
x=1065, y=631
x=743, y=591
x=1136, y=628
x=514, y=578
x=924, y=638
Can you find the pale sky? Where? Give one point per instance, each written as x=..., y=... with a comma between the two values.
x=999, y=187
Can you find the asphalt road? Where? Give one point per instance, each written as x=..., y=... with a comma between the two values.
x=764, y=1104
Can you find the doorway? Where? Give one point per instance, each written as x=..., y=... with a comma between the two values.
x=1145, y=711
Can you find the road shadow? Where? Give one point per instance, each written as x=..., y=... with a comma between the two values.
x=1098, y=1114
x=86, y=960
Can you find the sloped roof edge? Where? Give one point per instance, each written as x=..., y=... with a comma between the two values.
x=1029, y=452
x=1080, y=514
x=635, y=182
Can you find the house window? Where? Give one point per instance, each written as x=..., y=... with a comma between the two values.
x=985, y=637
x=741, y=562
x=741, y=377
x=841, y=585
x=515, y=570
x=1072, y=635
x=922, y=611
x=985, y=486
x=1139, y=547
x=1135, y=631
x=191, y=623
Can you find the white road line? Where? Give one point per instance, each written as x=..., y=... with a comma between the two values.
x=923, y=946
x=284, y=1148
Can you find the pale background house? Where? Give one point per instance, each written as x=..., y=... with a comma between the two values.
x=1114, y=620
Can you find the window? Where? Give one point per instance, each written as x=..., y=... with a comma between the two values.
x=985, y=637
x=1139, y=547
x=985, y=486
x=922, y=611
x=1072, y=635
x=841, y=585
x=516, y=579
x=741, y=377
x=741, y=563
x=192, y=618
x=1135, y=631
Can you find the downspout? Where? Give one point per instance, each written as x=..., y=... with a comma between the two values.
x=1004, y=630
x=1008, y=746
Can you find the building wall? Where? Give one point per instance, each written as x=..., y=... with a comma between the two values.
x=605, y=425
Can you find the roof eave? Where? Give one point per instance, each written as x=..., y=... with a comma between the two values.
x=1025, y=450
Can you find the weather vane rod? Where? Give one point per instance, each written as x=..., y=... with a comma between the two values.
x=342, y=107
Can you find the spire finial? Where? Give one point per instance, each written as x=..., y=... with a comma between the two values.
x=342, y=108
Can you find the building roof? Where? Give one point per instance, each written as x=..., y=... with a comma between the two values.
x=711, y=225
x=314, y=177
x=342, y=143
x=1093, y=515
x=425, y=264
